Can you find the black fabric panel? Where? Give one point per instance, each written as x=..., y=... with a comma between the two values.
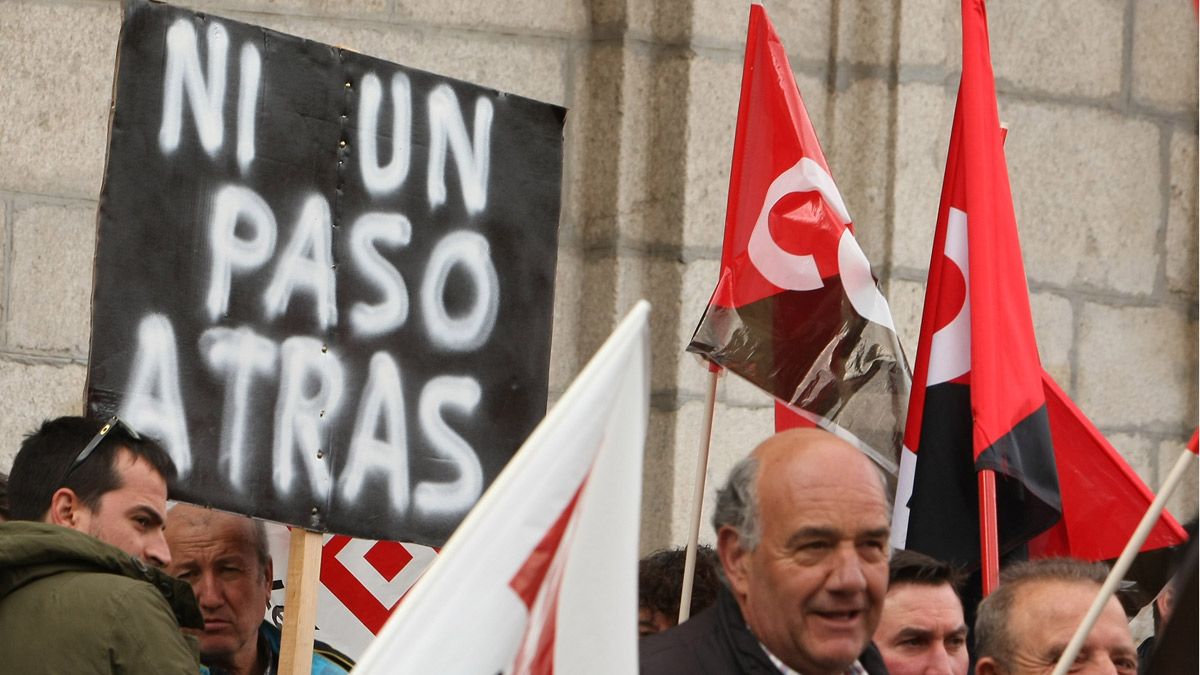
x=944, y=507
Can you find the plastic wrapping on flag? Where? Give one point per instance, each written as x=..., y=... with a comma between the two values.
x=814, y=353
x=797, y=310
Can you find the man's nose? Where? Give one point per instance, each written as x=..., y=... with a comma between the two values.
x=208, y=593
x=940, y=662
x=157, y=552
x=847, y=574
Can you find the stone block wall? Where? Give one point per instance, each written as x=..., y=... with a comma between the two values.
x=1100, y=97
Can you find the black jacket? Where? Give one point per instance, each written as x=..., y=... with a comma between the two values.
x=718, y=642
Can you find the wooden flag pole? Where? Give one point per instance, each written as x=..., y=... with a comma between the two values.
x=989, y=530
x=1122, y=565
x=989, y=535
x=300, y=603
x=689, y=562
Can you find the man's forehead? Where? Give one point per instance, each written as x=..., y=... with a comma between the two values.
x=192, y=526
x=826, y=510
x=804, y=461
x=1040, y=603
x=924, y=599
x=940, y=589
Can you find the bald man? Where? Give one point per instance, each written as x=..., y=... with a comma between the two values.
x=802, y=536
x=226, y=560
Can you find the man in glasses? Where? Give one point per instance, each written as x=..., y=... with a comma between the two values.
x=80, y=588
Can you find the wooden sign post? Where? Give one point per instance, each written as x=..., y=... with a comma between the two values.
x=299, y=618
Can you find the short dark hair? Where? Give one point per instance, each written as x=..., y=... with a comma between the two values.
x=993, y=635
x=4, y=496
x=660, y=580
x=910, y=567
x=46, y=454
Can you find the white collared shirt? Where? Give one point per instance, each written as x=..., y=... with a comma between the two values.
x=854, y=669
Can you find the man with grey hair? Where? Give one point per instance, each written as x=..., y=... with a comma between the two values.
x=1024, y=626
x=226, y=559
x=802, y=536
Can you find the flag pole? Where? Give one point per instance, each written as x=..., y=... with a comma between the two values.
x=689, y=562
x=1123, y=563
x=989, y=531
x=989, y=536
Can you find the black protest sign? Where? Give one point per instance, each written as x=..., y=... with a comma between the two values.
x=323, y=281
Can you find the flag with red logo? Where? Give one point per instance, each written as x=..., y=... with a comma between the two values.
x=796, y=310
x=981, y=399
x=977, y=400
x=541, y=577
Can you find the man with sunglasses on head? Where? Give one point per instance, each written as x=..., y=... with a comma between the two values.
x=80, y=586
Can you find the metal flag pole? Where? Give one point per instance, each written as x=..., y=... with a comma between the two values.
x=689, y=563
x=1123, y=563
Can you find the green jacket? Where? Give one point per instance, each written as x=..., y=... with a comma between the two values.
x=71, y=604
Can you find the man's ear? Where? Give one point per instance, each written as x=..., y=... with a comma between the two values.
x=987, y=666
x=734, y=558
x=1165, y=600
x=65, y=507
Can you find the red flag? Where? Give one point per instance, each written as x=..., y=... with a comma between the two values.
x=977, y=400
x=1103, y=500
x=796, y=310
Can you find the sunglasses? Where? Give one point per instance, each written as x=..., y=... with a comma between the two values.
x=113, y=423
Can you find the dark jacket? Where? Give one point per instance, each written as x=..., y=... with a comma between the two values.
x=70, y=603
x=718, y=642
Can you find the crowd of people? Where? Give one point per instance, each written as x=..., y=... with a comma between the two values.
x=811, y=587
x=97, y=575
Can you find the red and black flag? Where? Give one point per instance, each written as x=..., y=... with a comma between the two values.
x=977, y=401
x=797, y=311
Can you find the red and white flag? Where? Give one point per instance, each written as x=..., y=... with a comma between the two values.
x=977, y=401
x=980, y=397
x=541, y=577
x=796, y=310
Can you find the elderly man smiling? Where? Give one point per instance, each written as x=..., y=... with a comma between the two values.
x=802, y=534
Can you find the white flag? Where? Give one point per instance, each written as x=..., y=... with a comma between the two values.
x=541, y=577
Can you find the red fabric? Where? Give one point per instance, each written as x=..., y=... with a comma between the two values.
x=541, y=575
x=1103, y=499
x=1006, y=374
x=976, y=345
x=1192, y=444
x=786, y=419
x=1005, y=371
x=773, y=133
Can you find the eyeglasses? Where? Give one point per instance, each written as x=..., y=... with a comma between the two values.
x=88, y=449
